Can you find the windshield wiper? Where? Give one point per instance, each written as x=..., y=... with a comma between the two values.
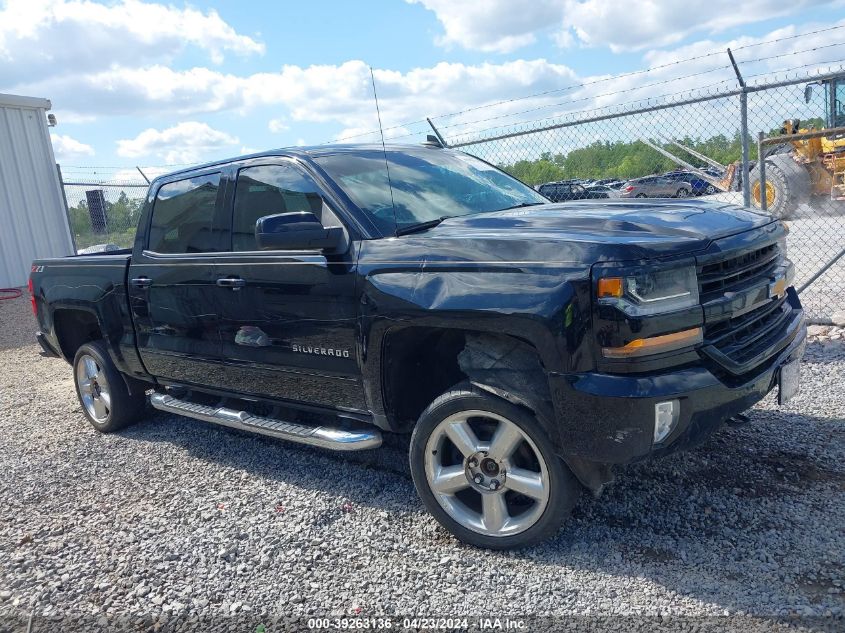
x=420, y=226
x=521, y=205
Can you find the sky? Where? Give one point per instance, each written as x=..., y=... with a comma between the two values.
x=164, y=84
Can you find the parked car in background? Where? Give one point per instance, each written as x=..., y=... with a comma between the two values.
x=656, y=187
x=615, y=184
x=569, y=190
x=98, y=248
x=602, y=191
x=700, y=186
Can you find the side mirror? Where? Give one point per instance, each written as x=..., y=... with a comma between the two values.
x=296, y=231
x=808, y=93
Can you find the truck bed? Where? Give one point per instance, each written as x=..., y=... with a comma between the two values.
x=95, y=284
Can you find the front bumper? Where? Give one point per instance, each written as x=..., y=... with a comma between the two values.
x=609, y=418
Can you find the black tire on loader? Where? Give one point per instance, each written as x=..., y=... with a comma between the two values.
x=787, y=185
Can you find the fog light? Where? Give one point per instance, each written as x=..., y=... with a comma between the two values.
x=665, y=418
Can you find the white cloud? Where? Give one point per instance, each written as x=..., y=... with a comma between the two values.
x=186, y=142
x=133, y=176
x=48, y=38
x=493, y=25
x=341, y=95
x=624, y=26
x=67, y=148
x=302, y=90
x=500, y=26
x=278, y=125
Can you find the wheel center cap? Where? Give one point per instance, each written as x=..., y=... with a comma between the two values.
x=489, y=466
x=484, y=473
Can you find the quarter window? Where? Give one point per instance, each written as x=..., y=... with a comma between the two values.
x=183, y=216
x=268, y=190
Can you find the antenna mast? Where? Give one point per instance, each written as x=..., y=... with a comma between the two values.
x=383, y=148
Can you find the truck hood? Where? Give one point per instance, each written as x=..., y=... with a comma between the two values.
x=633, y=228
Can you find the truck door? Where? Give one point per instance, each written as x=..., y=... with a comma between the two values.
x=287, y=319
x=172, y=281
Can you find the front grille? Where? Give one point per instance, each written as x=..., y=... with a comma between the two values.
x=740, y=343
x=715, y=279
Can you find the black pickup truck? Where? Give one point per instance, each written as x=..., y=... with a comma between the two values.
x=328, y=295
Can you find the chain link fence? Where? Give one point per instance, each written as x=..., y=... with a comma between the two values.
x=692, y=145
x=103, y=211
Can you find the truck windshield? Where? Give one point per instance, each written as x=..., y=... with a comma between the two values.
x=428, y=184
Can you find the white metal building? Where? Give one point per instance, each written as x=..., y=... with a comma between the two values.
x=33, y=218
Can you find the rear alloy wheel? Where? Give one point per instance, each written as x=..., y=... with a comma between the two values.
x=682, y=193
x=102, y=391
x=94, y=389
x=710, y=190
x=488, y=473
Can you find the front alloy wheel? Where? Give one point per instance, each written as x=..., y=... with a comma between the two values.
x=494, y=487
x=487, y=471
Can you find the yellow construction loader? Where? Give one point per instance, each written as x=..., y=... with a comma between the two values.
x=800, y=162
x=804, y=162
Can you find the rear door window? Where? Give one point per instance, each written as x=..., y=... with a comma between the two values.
x=185, y=217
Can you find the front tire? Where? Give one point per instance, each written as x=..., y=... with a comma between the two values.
x=102, y=392
x=487, y=471
x=682, y=193
x=787, y=186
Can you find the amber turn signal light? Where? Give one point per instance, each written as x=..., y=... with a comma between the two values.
x=655, y=344
x=610, y=287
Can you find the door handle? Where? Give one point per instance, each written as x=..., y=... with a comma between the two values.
x=141, y=282
x=231, y=282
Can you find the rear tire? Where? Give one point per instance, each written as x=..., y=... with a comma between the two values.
x=102, y=391
x=525, y=491
x=682, y=193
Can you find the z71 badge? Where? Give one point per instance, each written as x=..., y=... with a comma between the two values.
x=320, y=351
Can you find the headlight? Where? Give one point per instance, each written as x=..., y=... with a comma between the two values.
x=650, y=292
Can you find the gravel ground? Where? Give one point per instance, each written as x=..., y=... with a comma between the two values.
x=177, y=521
x=17, y=324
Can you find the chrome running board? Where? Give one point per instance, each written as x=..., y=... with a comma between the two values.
x=322, y=436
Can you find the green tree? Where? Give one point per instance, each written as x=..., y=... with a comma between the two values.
x=626, y=159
